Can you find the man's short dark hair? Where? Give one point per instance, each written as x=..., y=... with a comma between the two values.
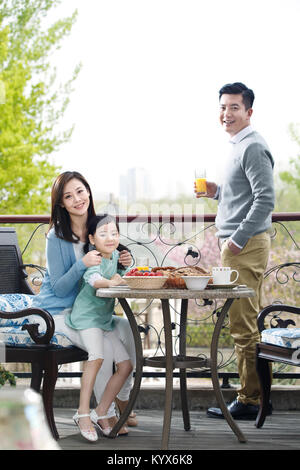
x=238, y=88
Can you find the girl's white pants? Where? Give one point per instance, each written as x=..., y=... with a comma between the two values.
x=124, y=333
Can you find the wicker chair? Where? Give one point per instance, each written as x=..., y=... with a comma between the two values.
x=278, y=345
x=44, y=356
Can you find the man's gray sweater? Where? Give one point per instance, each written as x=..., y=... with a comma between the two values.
x=246, y=197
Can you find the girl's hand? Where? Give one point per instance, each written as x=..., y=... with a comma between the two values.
x=125, y=258
x=92, y=258
x=117, y=280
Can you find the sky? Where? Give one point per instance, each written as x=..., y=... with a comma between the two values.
x=147, y=94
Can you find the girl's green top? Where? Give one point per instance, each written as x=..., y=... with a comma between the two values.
x=88, y=310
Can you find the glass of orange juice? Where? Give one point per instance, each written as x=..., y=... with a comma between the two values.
x=200, y=179
x=142, y=263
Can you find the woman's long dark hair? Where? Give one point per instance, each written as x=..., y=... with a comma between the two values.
x=60, y=218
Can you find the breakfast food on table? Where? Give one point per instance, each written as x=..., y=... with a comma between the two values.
x=144, y=279
x=174, y=275
x=143, y=272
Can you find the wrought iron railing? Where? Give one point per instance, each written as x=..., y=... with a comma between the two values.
x=179, y=240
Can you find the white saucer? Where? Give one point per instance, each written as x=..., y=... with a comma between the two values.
x=225, y=286
x=222, y=286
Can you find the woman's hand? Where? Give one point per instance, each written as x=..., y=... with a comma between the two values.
x=125, y=258
x=92, y=258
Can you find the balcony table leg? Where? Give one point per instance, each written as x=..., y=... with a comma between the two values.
x=138, y=368
x=182, y=372
x=214, y=372
x=169, y=373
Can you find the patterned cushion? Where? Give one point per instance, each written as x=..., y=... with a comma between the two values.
x=287, y=337
x=14, y=336
x=10, y=329
x=13, y=303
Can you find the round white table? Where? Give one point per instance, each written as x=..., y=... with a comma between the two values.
x=181, y=361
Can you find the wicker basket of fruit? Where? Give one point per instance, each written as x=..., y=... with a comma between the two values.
x=145, y=279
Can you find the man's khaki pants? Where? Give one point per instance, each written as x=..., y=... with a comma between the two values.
x=251, y=263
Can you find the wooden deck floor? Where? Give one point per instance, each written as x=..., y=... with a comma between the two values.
x=281, y=431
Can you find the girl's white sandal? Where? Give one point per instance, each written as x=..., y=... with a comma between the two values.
x=95, y=418
x=90, y=435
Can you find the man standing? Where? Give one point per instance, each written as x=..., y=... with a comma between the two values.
x=245, y=202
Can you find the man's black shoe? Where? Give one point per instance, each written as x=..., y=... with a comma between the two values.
x=238, y=410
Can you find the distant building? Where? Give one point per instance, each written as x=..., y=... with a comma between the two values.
x=111, y=207
x=135, y=185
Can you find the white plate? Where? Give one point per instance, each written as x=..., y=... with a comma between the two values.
x=119, y=287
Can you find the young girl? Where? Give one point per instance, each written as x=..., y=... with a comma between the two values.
x=93, y=317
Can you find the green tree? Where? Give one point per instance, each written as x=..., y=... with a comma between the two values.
x=31, y=103
x=293, y=176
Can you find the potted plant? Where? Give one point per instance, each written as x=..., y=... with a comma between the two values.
x=6, y=376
